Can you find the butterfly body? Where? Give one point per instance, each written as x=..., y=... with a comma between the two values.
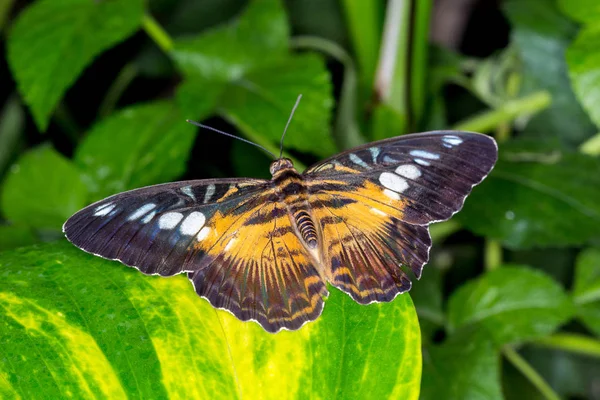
x=265, y=249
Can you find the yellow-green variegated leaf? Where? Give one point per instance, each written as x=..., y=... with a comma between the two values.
x=74, y=325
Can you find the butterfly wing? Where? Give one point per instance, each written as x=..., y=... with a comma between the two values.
x=232, y=237
x=374, y=205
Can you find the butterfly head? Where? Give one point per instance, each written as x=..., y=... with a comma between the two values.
x=280, y=165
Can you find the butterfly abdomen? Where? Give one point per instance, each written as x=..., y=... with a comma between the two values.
x=307, y=228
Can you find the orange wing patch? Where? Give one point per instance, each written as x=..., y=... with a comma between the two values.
x=254, y=265
x=365, y=242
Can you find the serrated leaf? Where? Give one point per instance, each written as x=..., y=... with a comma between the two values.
x=541, y=35
x=138, y=146
x=76, y=323
x=261, y=103
x=586, y=289
x=43, y=189
x=52, y=41
x=462, y=368
x=510, y=304
x=537, y=197
x=584, y=69
x=258, y=37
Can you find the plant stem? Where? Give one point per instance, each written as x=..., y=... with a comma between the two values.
x=531, y=374
x=363, y=24
x=509, y=111
x=157, y=33
x=572, y=342
x=126, y=75
x=418, y=59
x=391, y=77
x=492, y=254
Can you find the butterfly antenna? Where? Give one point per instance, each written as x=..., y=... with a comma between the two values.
x=288, y=124
x=230, y=135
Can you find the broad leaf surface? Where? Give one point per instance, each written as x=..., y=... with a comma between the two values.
x=79, y=325
x=43, y=189
x=541, y=35
x=537, y=197
x=138, y=146
x=586, y=289
x=258, y=37
x=581, y=10
x=52, y=42
x=260, y=104
x=510, y=304
x=462, y=368
x=584, y=68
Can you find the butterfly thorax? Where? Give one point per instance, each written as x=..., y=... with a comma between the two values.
x=292, y=191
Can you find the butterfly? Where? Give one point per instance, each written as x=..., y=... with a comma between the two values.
x=266, y=249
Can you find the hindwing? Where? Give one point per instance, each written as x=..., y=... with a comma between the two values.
x=374, y=205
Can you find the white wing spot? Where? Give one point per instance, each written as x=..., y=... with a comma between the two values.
x=425, y=154
x=203, y=234
x=422, y=162
x=148, y=217
x=452, y=140
x=408, y=171
x=389, y=159
x=374, y=153
x=391, y=195
x=143, y=210
x=104, y=209
x=378, y=211
x=231, y=242
x=187, y=190
x=169, y=220
x=393, y=182
x=357, y=160
x=192, y=223
x=210, y=190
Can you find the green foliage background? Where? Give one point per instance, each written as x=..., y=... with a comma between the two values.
x=96, y=101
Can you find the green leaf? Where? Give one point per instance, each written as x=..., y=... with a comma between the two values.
x=581, y=10
x=12, y=132
x=537, y=197
x=197, y=97
x=427, y=296
x=541, y=35
x=584, y=69
x=138, y=146
x=53, y=41
x=260, y=104
x=43, y=189
x=510, y=304
x=463, y=368
x=586, y=289
x=74, y=323
x=258, y=37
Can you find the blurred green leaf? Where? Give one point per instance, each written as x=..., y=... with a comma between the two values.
x=198, y=96
x=258, y=37
x=586, y=289
x=52, y=42
x=76, y=323
x=427, y=296
x=584, y=68
x=261, y=103
x=509, y=304
x=43, y=189
x=141, y=145
x=12, y=121
x=537, y=197
x=581, y=10
x=13, y=236
x=541, y=35
x=462, y=368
